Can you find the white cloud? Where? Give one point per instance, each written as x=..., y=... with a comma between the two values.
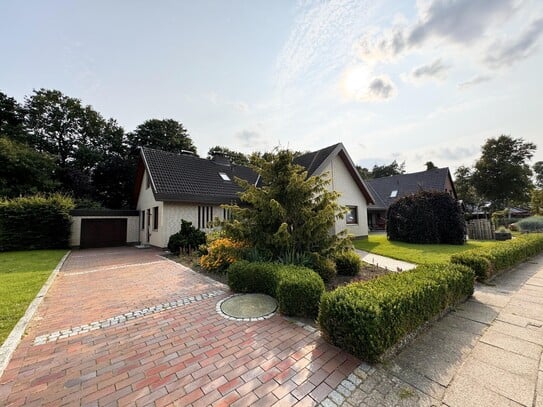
x=461, y=22
x=434, y=71
x=476, y=80
x=321, y=40
x=507, y=53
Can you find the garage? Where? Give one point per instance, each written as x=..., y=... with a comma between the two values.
x=104, y=228
x=103, y=233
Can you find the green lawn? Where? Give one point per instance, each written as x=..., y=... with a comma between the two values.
x=417, y=253
x=22, y=274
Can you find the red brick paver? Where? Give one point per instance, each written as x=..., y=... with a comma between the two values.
x=187, y=355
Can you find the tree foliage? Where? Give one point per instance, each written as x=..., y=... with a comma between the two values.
x=430, y=166
x=502, y=174
x=287, y=212
x=166, y=135
x=11, y=118
x=23, y=170
x=426, y=217
x=235, y=157
x=379, y=171
x=464, y=186
x=538, y=173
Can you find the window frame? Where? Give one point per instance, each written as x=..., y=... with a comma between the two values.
x=155, y=217
x=142, y=220
x=351, y=208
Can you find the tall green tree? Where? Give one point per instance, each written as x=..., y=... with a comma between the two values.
x=464, y=186
x=24, y=171
x=235, y=157
x=166, y=135
x=287, y=212
x=379, y=171
x=11, y=119
x=538, y=172
x=502, y=174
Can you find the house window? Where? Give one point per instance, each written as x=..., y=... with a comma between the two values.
x=155, y=218
x=226, y=214
x=352, y=215
x=394, y=193
x=224, y=176
x=205, y=215
x=142, y=220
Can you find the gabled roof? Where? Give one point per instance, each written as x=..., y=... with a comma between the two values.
x=407, y=184
x=187, y=178
x=316, y=161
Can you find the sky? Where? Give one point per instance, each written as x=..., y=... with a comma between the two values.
x=412, y=81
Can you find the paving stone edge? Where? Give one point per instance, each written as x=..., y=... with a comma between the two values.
x=14, y=338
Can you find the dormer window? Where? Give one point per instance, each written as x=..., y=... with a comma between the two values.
x=224, y=176
x=394, y=193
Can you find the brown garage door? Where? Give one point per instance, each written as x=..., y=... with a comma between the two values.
x=103, y=233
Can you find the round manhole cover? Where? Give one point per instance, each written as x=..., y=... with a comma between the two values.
x=248, y=307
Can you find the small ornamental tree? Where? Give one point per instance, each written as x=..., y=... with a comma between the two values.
x=286, y=212
x=426, y=217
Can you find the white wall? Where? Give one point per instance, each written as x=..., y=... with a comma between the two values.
x=132, y=228
x=350, y=195
x=146, y=200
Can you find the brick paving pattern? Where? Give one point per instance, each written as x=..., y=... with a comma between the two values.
x=187, y=355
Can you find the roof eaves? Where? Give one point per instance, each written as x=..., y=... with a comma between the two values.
x=149, y=173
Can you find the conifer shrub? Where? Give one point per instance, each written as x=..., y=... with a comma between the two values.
x=297, y=289
x=426, y=217
x=367, y=318
x=324, y=267
x=35, y=222
x=187, y=239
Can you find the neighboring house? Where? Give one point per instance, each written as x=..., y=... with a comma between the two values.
x=171, y=187
x=386, y=190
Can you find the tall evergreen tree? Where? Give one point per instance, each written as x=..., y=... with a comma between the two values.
x=287, y=212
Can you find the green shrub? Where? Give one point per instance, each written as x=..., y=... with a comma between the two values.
x=531, y=224
x=426, y=217
x=324, y=267
x=348, y=263
x=480, y=265
x=36, y=222
x=297, y=289
x=501, y=256
x=368, y=318
x=187, y=239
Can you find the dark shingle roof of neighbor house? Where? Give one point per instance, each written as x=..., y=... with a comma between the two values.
x=406, y=184
x=187, y=178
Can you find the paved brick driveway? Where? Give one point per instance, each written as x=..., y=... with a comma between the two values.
x=127, y=327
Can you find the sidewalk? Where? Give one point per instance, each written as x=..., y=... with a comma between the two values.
x=385, y=262
x=488, y=352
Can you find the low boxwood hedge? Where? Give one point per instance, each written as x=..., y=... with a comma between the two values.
x=368, y=318
x=297, y=289
x=486, y=262
x=348, y=263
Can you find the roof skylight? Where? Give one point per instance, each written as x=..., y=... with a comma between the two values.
x=224, y=176
x=394, y=193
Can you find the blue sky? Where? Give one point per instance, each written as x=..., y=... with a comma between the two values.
x=412, y=80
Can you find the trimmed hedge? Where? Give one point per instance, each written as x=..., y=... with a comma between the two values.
x=486, y=262
x=368, y=318
x=348, y=263
x=297, y=289
x=35, y=222
x=426, y=217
